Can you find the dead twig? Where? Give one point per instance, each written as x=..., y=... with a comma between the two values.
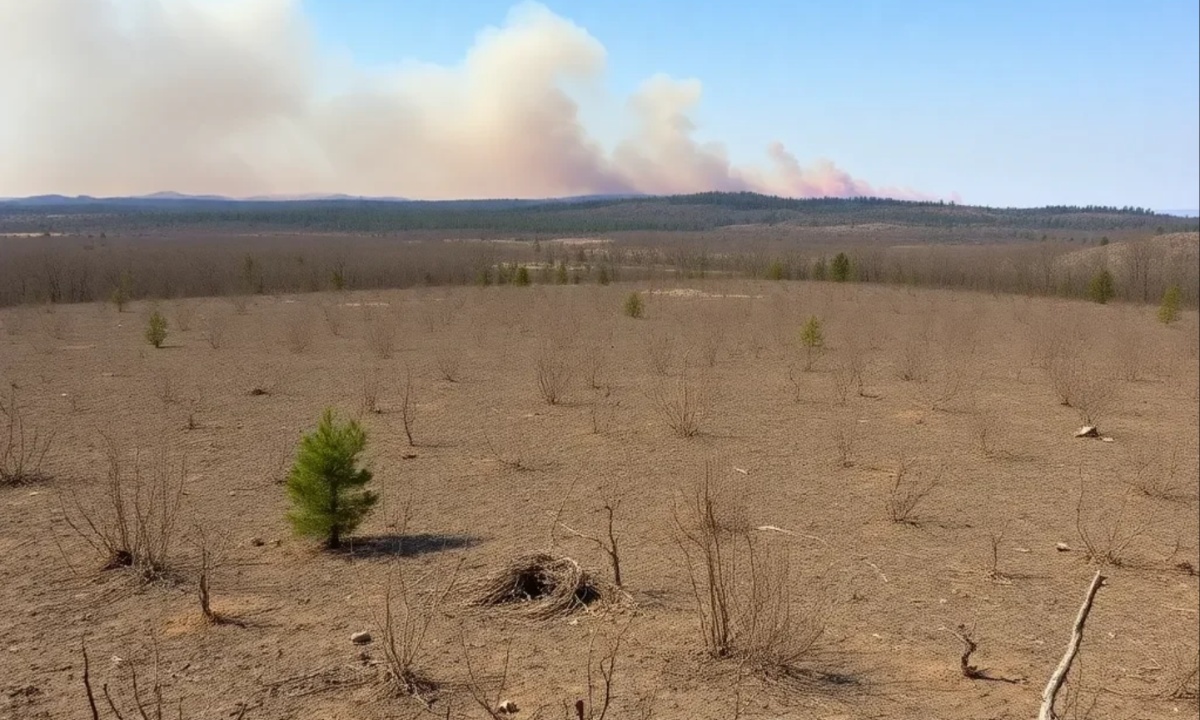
x=1050, y=694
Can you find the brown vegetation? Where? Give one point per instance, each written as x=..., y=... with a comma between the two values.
x=805, y=578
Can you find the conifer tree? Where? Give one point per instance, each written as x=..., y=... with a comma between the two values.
x=325, y=485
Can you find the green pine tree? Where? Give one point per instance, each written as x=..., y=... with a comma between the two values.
x=325, y=485
x=818, y=271
x=156, y=329
x=840, y=267
x=1168, y=310
x=1103, y=287
x=813, y=339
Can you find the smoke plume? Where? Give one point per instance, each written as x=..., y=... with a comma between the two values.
x=121, y=97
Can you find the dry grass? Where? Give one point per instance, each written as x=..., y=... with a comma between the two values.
x=542, y=585
x=494, y=462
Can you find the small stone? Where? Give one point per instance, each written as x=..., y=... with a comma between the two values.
x=1088, y=431
x=360, y=638
x=1062, y=547
x=257, y=542
x=507, y=707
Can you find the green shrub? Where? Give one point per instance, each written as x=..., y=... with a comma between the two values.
x=156, y=329
x=1102, y=287
x=522, y=276
x=634, y=307
x=812, y=337
x=603, y=277
x=840, y=267
x=560, y=274
x=818, y=271
x=1168, y=310
x=326, y=488
x=776, y=271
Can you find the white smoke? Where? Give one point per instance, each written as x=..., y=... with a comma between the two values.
x=121, y=97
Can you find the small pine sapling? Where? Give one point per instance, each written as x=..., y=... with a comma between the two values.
x=325, y=485
x=156, y=329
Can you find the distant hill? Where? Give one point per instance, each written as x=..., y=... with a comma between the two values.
x=586, y=214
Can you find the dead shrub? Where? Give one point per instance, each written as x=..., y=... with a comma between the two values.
x=985, y=427
x=133, y=523
x=712, y=334
x=298, y=330
x=167, y=389
x=380, y=334
x=23, y=448
x=448, y=361
x=334, y=318
x=660, y=353
x=914, y=360
x=910, y=486
x=845, y=437
x=553, y=370
x=402, y=621
x=543, y=585
x=682, y=402
x=1160, y=476
x=843, y=379
x=216, y=330
x=1109, y=532
x=184, y=313
x=741, y=586
x=606, y=541
x=595, y=360
x=213, y=548
x=408, y=407
x=1181, y=675
x=796, y=377
x=601, y=679
x=511, y=450
x=148, y=703
x=371, y=382
x=1082, y=385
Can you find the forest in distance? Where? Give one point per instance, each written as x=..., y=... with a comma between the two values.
x=67, y=250
x=695, y=212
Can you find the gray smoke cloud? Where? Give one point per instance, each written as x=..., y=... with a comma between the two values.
x=119, y=97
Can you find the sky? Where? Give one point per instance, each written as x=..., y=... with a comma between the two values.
x=1016, y=103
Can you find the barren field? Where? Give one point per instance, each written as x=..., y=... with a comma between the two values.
x=908, y=484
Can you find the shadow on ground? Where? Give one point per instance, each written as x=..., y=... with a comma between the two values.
x=368, y=546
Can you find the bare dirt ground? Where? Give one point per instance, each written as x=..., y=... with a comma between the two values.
x=962, y=389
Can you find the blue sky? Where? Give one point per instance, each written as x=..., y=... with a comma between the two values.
x=1005, y=103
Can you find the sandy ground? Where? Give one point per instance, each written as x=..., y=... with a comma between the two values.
x=494, y=463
